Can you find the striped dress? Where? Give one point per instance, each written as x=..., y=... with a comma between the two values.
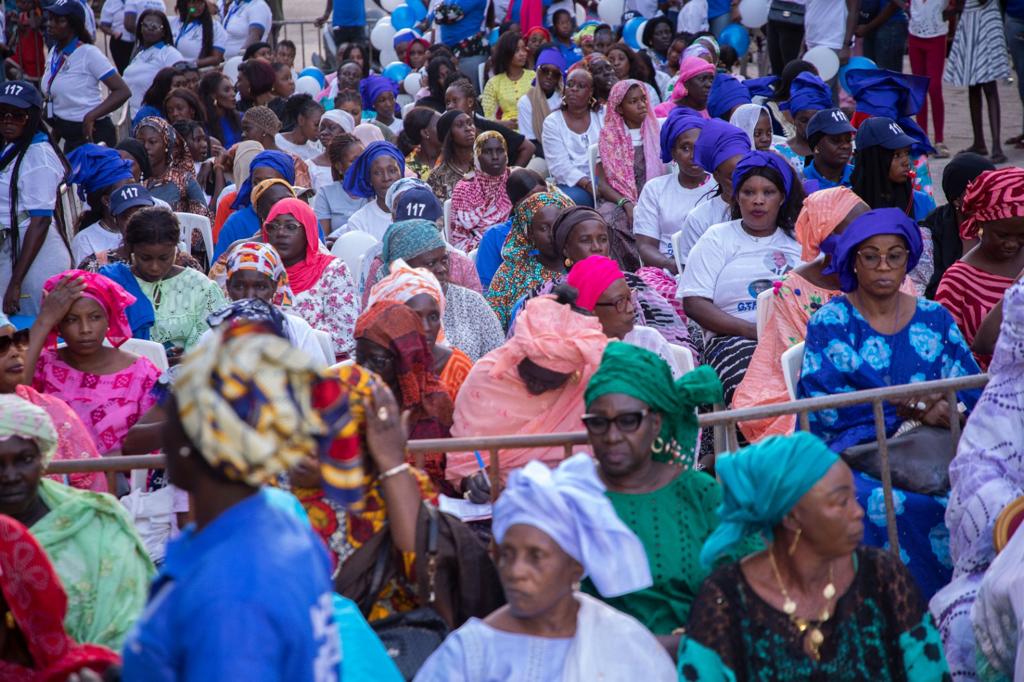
x=969, y=294
x=979, y=51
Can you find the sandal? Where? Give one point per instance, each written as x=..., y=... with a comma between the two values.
x=941, y=151
x=980, y=151
x=1019, y=139
x=998, y=157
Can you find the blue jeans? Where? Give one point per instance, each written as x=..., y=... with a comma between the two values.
x=887, y=45
x=579, y=196
x=717, y=24
x=1015, y=40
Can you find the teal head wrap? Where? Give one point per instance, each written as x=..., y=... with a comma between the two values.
x=761, y=484
x=408, y=239
x=639, y=373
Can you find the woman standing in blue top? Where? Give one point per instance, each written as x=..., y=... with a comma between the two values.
x=197, y=34
x=154, y=50
x=462, y=30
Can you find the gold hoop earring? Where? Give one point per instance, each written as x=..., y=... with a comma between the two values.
x=576, y=586
x=658, y=446
x=792, y=547
x=593, y=101
x=568, y=263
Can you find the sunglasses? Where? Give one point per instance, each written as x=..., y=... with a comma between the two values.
x=19, y=338
x=627, y=422
x=13, y=116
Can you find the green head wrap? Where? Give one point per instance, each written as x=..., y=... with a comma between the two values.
x=761, y=483
x=638, y=372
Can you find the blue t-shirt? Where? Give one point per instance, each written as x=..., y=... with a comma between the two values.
x=1015, y=9
x=570, y=53
x=488, y=255
x=348, y=13
x=717, y=8
x=470, y=24
x=811, y=174
x=923, y=205
x=247, y=598
x=869, y=9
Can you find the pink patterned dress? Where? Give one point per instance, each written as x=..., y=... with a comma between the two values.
x=331, y=306
x=108, y=404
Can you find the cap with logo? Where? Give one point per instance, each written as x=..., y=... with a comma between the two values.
x=829, y=122
x=417, y=203
x=20, y=94
x=879, y=131
x=129, y=196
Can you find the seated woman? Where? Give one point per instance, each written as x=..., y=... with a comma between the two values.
x=390, y=340
x=814, y=603
x=73, y=440
x=557, y=527
x=692, y=87
x=109, y=389
x=324, y=293
x=756, y=121
x=38, y=646
x=994, y=209
x=97, y=171
x=877, y=336
x=173, y=179
x=244, y=222
x=321, y=168
x=420, y=290
x=333, y=205
x=461, y=94
x=733, y=262
x=378, y=167
x=88, y=537
x=171, y=300
x=302, y=140
x=260, y=124
x=568, y=134
x=480, y=198
x=419, y=141
x=544, y=97
x=457, y=133
x=512, y=79
x=532, y=384
x=830, y=137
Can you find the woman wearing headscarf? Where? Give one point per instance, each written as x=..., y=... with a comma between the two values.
x=378, y=167
x=532, y=384
x=332, y=123
x=244, y=223
x=38, y=646
x=693, y=85
x=173, y=179
x=756, y=121
x=88, y=537
x=808, y=95
x=733, y=262
x=874, y=336
x=324, y=292
x=457, y=132
x=544, y=97
x=550, y=631
x=97, y=171
x=728, y=93
x=814, y=602
x=378, y=95
x=480, y=198
x=242, y=413
x=993, y=209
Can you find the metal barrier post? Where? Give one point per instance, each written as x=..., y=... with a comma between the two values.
x=883, y=451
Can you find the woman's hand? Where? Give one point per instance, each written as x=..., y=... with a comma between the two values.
x=932, y=410
x=216, y=148
x=386, y=429
x=305, y=474
x=12, y=298
x=88, y=123
x=58, y=302
x=477, y=488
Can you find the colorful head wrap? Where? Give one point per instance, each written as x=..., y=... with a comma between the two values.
x=585, y=34
x=537, y=29
x=94, y=168
x=689, y=67
x=264, y=259
x=551, y=56
x=20, y=418
x=894, y=95
x=993, y=195
x=243, y=154
x=405, y=35
x=569, y=505
x=478, y=145
x=761, y=483
x=341, y=117
x=718, y=142
x=259, y=190
x=616, y=146
x=591, y=277
x=372, y=87
x=569, y=219
x=821, y=214
x=409, y=238
x=272, y=159
x=755, y=159
x=252, y=310
x=808, y=92
x=357, y=177
x=264, y=119
x=867, y=225
x=403, y=283
x=306, y=273
x=111, y=297
x=679, y=120
x=367, y=133
x=421, y=41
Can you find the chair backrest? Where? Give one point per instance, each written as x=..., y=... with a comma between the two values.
x=764, y=302
x=593, y=156
x=481, y=74
x=472, y=255
x=148, y=349
x=350, y=248
x=683, y=357
x=326, y=344
x=792, y=361
x=677, y=237
x=230, y=67
x=447, y=220
x=190, y=222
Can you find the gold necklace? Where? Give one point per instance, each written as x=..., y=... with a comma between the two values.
x=810, y=631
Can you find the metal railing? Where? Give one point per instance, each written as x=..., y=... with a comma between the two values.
x=724, y=422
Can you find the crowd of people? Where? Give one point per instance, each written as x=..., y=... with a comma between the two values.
x=281, y=274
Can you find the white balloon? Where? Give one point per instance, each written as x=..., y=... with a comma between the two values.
x=388, y=54
x=754, y=13
x=610, y=11
x=581, y=14
x=307, y=85
x=382, y=35
x=825, y=60
x=640, y=34
x=390, y=5
x=412, y=83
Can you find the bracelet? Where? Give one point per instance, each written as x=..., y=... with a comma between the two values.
x=622, y=202
x=394, y=471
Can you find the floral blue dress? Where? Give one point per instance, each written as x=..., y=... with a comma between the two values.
x=843, y=353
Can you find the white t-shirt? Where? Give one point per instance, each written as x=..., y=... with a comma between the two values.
x=320, y=175
x=303, y=151
x=566, y=151
x=370, y=219
x=525, y=109
x=926, y=19
x=731, y=267
x=189, y=40
x=93, y=239
x=825, y=23
x=239, y=18
x=112, y=16
x=143, y=68
x=663, y=206
x=39, y=177
x=75, y=90
x=136, y=7
x=708, y=213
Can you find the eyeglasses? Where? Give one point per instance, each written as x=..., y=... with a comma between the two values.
x=283, y=228
x=16, y=339
x=13, y=116
x=622, y=304
x=896, y=258
x=151, y=26
x=627, y=422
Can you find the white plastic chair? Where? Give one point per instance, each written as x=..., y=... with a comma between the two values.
x=677, y=237
x=481, y=74
x=230, y=68
x=326, y=344
x=472, y=255
x=792, y=362
x=683, y=357
x=350, y=248
x=190, y=222
x=447, y=220
x=593, y=156
x=764, y=302
x=156, y=352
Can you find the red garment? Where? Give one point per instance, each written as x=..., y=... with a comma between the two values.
x=928, y=58
x=993, y=195
x=29, y=47
x=306, y=273
x=969, y=294
x=38, y=603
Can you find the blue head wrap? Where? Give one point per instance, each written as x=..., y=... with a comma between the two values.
x=373, y=86
x=357, y=177
x=679, y=120
x=727, y=92
x=898, y=96
x=761, y=87
x=718, y=142
x=278, y=161
x=761, y=484
x=875, y=222
x=553, y=57
x=756, y=159
x=808, y=92
x=94, y=168
x=569, y=505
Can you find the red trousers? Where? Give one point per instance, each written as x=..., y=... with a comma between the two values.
x=928, y=58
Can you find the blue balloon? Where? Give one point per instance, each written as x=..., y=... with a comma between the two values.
x=396, y=71
x=403, y=17
x=315, y=73
x=492, y=37
x=631, y=32
x=854, y=63
x=736, y=36
x=419, y=11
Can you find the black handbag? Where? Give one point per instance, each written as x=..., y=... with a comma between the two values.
x=411, y=637
x=785, y=12
x=918, y=459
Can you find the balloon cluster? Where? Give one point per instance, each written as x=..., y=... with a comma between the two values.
x=404, y=15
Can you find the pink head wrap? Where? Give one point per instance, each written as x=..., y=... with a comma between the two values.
x=591, y=277
x=616, y=148
x=688, y=68
x=553, y=336
x=109, y=294
x=821, y=213
x=367, y=133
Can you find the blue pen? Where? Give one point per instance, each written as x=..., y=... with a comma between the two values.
x=480, y=463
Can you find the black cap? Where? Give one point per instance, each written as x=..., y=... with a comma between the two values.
x=417, y=203
x=129, y=196
x=829, y=122
x=879, y=131
x=20, y=94
x=65, y=7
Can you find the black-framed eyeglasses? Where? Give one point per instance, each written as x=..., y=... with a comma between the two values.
x=627, y=422
x=13, y=116
x=621, y=304
x=19, y=338
x=872, y=260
